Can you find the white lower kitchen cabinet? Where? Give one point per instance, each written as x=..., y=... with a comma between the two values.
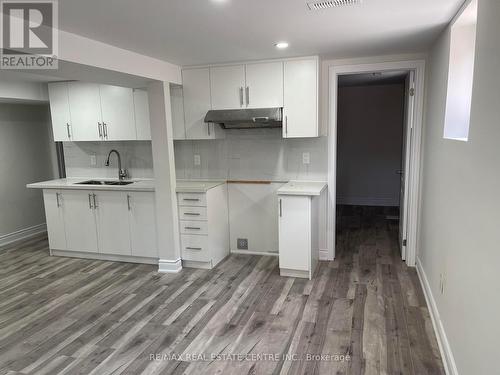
x=299, y=231
x=203, y=226
x=112, y=225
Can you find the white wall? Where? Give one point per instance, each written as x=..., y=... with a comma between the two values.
x=136, y=158
x=369, y=143
x=25, y=157
x=460, y=217
x=255, y=155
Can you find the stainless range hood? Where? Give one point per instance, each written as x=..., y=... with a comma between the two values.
x=246, y=118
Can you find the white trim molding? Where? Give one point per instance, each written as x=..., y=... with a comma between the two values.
x=22, y=234
x=449, y=364
x=251, y=252
x=336, y=68
x=324, y=254
x=169, y=266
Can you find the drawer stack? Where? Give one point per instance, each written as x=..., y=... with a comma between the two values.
x=203, y=226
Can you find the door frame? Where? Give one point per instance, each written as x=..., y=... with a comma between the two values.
x=414, y=153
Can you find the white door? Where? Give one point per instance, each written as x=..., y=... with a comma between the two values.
x=264, y=85
x=300, y=99
x=227, y=87
x=79, y=217
x=294, y=232
x=196, y=92
x=142, y=121
x=59, y=111
x=117, y=105
x=142, y=224
x=176, y=99
x=85, y=108
x=112, y=222
x=54, y=217
x=405, y=168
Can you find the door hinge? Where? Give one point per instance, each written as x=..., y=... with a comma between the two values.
x=404, y=242
x=412, y=92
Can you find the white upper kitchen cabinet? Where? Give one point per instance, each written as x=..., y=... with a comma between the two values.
x=85, y=109
x=264, y=85
x=300, y=99
x=112, y=222
x=142, y=221
x=196, y=93
x=79, y=219
x=59, y=111
x=228, y=87
x=54, y=217
x=177, y=105
x=142, y=121
x=117, y=105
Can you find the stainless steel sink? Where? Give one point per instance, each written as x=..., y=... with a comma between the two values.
x=100, y=182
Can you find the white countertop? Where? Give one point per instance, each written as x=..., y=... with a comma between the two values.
x=191, y=186
x=302, y=188
x=72, y=183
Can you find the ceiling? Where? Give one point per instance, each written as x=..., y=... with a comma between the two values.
x=191, y=32
x=375, y=78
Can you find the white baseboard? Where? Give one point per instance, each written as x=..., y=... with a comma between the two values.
x=450, y=366
x=324, y=254
x=367, y=201
x=250, y=252
x=169, y=266
x=22, y=234
x=100, y=256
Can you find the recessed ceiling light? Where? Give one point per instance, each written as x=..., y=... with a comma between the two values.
x=281, y=45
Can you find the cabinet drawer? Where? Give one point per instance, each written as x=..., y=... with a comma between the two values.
x=192, y=213
x=193, y=227
x=195, y=248
x=192, y=199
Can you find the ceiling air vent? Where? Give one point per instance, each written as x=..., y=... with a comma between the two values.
x=320, y=5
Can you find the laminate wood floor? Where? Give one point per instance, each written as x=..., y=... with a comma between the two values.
x=362, y=314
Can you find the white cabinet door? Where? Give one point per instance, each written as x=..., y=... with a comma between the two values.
x=177, y=104
x=59, y=111
x=227, y=86
x=142, y=224
x=117, y=105
x=142, y=121
x=54, y=217
x=300, y=98
x=196, y=92
x=112, y=222
x=264, y=85
x=79, y=217
x=294, y=232
x=85, y=109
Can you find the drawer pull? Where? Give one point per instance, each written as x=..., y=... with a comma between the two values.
x=191, y=214
x=193, y=228
x=193, y=248
x=191, y=199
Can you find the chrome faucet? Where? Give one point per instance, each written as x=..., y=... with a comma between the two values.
x=122, y=173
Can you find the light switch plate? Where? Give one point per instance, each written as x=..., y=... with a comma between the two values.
x=197, y=159
x=93, y=160
x=306, y=158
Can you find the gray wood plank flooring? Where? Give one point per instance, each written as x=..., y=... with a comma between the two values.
x=73, y=316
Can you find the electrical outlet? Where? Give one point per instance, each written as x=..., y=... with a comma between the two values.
x=306, y=158
x=93, y=160
x=197, y=159
x=242, y=243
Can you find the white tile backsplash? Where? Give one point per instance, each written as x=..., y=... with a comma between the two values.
x=136, y=157
x=258, y=154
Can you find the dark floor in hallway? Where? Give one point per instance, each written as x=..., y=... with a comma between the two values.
x=74, y=316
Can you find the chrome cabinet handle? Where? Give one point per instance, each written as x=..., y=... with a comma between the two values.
x=193, y=228
x=191, y=199
x=105, y=128
x=260, y=119
x=67, y=129
x=193, y=248
x=208, y=127
x=286, y=125
x=128, y=202
x=95, y=204
x=99, y=126
x=247, y=94
x=191, y=214
x=90, y=201
x=241, y=96
x=57, y=200
x=281, y=210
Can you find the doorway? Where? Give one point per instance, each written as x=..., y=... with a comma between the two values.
x=375, y=129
